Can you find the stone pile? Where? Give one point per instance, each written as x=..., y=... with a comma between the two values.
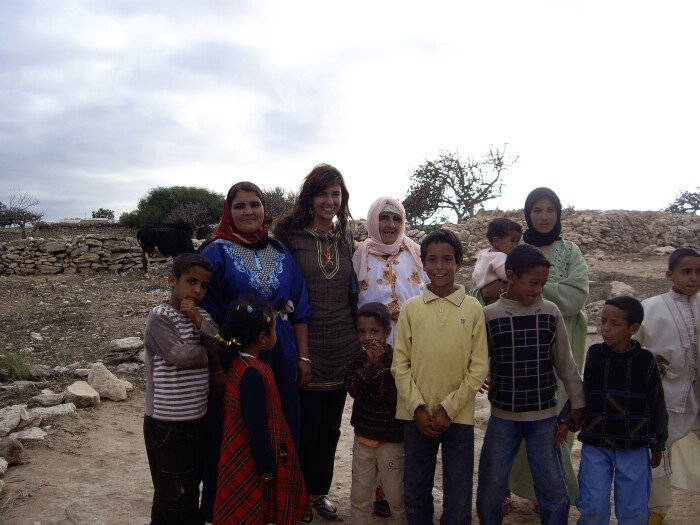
x=610, y=232
x=84, y=253
x=21, y=425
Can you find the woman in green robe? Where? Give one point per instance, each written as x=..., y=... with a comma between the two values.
x=567, y=287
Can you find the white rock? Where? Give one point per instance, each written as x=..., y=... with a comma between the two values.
x=60, y=370
x=129, y=387
x=106, y=383
x=65, y=409
x=592, y=329
x=27, y=419
x=125, y=344
x=81, y=372
x=21, y=386
x=10, y=418
x=36, y=336
x=11, y=449
x=31, y=435
x=49, y=399
x=3, y=466
x=40, y=371
x=26, y=350
x=618, y=288
x=82, y=395
x=2, y=485
x=129, y=368
x=142, y=356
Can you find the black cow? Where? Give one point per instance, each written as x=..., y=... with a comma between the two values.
x=168, y=241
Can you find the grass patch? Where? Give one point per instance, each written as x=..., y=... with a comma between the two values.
x=15, y=365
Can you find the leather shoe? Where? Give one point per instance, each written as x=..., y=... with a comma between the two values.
x=325, y=508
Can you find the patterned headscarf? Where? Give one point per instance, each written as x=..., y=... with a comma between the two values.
x=532, y=236
x=374, y=245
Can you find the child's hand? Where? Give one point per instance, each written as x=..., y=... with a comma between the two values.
x=656, y=458
x=494, y=290
x=441, y=421
x=485, y=387
x=560, y=434
x=217, y=384
x=189, y=308
x=662, y=365
x=424, y=422
x=375, y=353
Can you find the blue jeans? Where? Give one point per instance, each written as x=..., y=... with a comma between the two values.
x=632, y=472
x=420, y=457
x=498, y=453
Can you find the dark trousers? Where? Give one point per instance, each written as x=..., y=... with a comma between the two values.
x=321, y=413
x=420, y=459
x=174, y=450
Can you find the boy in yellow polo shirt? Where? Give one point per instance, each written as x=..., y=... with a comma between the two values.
x=440, y=362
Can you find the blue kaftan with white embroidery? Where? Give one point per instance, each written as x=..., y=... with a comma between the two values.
x=239, y=271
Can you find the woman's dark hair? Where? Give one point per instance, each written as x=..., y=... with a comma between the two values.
x=524, y=258
x=377, y=311
x=677, y=255
x=441, y=235
x=315, y=182
x=247, y=319
x=634, y=311
x=244, y=186
x=501, y=227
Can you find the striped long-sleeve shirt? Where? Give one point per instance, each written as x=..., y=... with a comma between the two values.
x=177, y=373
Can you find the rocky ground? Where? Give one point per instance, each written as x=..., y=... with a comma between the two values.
x=91, y=467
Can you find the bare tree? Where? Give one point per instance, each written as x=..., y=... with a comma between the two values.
x=686, y=202
x=18, y=211
x=195, y=214
x=453, y=184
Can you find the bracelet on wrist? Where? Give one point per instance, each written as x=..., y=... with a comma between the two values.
x=305, y=359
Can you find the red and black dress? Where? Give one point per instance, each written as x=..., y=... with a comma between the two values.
x=242, y=497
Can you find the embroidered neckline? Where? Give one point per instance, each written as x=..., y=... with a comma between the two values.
x=327, y=251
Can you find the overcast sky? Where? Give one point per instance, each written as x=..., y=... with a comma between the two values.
x=102, y=100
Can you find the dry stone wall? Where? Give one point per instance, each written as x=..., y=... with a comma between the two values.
x=611, y=232
x=80, y=254
x=596, y=232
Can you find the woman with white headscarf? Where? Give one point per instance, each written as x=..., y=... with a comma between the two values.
x=387, y=263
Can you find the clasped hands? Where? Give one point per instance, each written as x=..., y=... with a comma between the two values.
x=431, y=426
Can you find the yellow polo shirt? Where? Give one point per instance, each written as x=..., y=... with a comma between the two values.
x=440, y=355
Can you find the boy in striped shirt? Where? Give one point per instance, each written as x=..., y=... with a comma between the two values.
x=178, y=337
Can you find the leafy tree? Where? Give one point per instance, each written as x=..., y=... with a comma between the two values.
x=686, y=202
x=19, y=212
x=277, y=201
x=156, y=207
x=450, y=183
x=103, y=213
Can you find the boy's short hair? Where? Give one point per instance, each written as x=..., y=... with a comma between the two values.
x=185, y=261
x=441, y=235
x=525, y=257
x=377, y=311
x=677, y=255
x=501, y=227
x=634, y=311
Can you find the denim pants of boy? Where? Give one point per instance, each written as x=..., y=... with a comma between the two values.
x=175, y=452
x=420, y=457
x=631, y=470
x=500, y=447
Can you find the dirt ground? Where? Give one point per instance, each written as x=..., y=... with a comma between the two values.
x=92, y=467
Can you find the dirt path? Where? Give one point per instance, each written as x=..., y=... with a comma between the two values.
x=92, y=470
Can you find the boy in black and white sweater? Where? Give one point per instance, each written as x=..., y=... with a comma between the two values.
x=527, y=343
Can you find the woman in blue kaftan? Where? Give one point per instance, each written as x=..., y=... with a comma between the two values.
x=247, y=261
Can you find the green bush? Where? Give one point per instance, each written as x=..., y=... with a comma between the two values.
x=15, y=366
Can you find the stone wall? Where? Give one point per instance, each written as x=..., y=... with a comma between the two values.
x=613, y=232
x=83, y=253
x=115, y=248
